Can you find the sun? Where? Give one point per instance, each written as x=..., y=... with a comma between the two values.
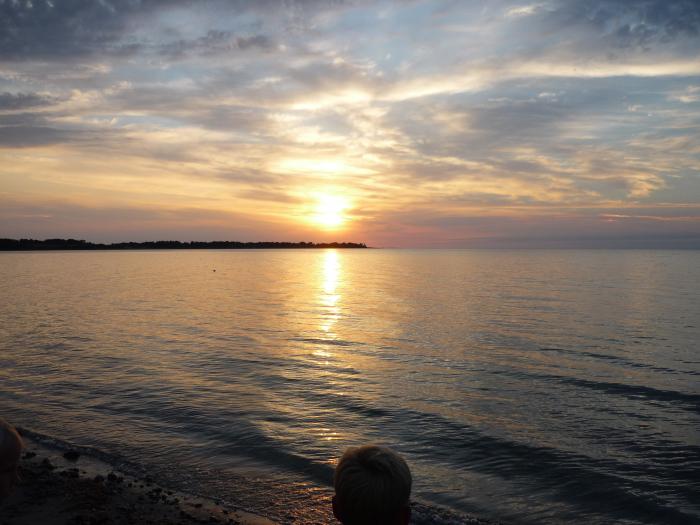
x=329, y=211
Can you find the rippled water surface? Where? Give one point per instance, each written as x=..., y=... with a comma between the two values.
x=526, y=386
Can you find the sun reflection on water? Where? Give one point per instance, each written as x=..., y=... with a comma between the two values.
x=329, y=298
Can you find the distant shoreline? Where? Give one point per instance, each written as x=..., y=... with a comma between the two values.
x=74, y=244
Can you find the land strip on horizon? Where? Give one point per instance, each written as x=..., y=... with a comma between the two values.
x=74, y=244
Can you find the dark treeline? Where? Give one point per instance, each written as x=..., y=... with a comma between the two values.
x=74, y=244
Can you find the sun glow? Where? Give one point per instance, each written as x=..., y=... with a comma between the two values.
x=329, y=211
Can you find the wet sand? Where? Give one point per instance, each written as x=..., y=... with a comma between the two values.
x=63, y=488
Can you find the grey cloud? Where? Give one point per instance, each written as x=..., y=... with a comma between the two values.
x=26, y=130
x=77, y=28
x=214, y=42
x=513, y=115
x=259, y=41
x=13, y=101
x=201, y=106
x=627, y=23
x=43, y=29
x=23, y=119
x=30, y=136
x=230, y=118
x=326, y=75
x=486, y=127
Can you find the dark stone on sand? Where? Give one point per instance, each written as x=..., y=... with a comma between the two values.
x=71, y=496
x=71, y=455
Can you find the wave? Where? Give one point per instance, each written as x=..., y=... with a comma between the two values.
x=690, y=402
x=620, y=360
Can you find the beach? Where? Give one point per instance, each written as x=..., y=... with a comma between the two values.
x=66, y=487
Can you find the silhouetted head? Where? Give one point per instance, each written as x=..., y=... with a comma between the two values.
x=372, y=487
x=10, y=452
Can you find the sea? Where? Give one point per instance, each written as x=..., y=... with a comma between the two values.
x=524, y=386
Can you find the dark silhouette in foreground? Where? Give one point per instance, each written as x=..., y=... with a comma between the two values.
x=372, y=487
x=10, y=452
x=74, y=244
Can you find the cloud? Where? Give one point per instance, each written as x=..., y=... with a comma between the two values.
x=627, y=23
x=523, y=10
x=14, y=101
x=214, y=42
x=52, y=29
x=256, y=41
x=687, y=96
x=31, y=136
x=57, y=30
x=426, y=115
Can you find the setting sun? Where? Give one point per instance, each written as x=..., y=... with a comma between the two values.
x=328, y=211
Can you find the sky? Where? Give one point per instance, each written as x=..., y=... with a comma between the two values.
x=414, y=123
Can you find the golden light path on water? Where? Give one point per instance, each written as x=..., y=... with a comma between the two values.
x=329, y=297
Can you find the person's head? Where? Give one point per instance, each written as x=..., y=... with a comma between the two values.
x=372, y=487
x=10, y=452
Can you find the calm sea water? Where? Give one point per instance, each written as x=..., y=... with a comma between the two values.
x=526, y=386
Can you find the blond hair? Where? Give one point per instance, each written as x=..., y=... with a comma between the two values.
x=372, y=485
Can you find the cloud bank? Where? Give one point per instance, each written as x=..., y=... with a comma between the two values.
x=447, y=124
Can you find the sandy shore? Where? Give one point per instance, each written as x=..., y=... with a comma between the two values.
x=64, y=488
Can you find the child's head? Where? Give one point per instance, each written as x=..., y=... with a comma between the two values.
x=10, y=452
x=372, y=486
